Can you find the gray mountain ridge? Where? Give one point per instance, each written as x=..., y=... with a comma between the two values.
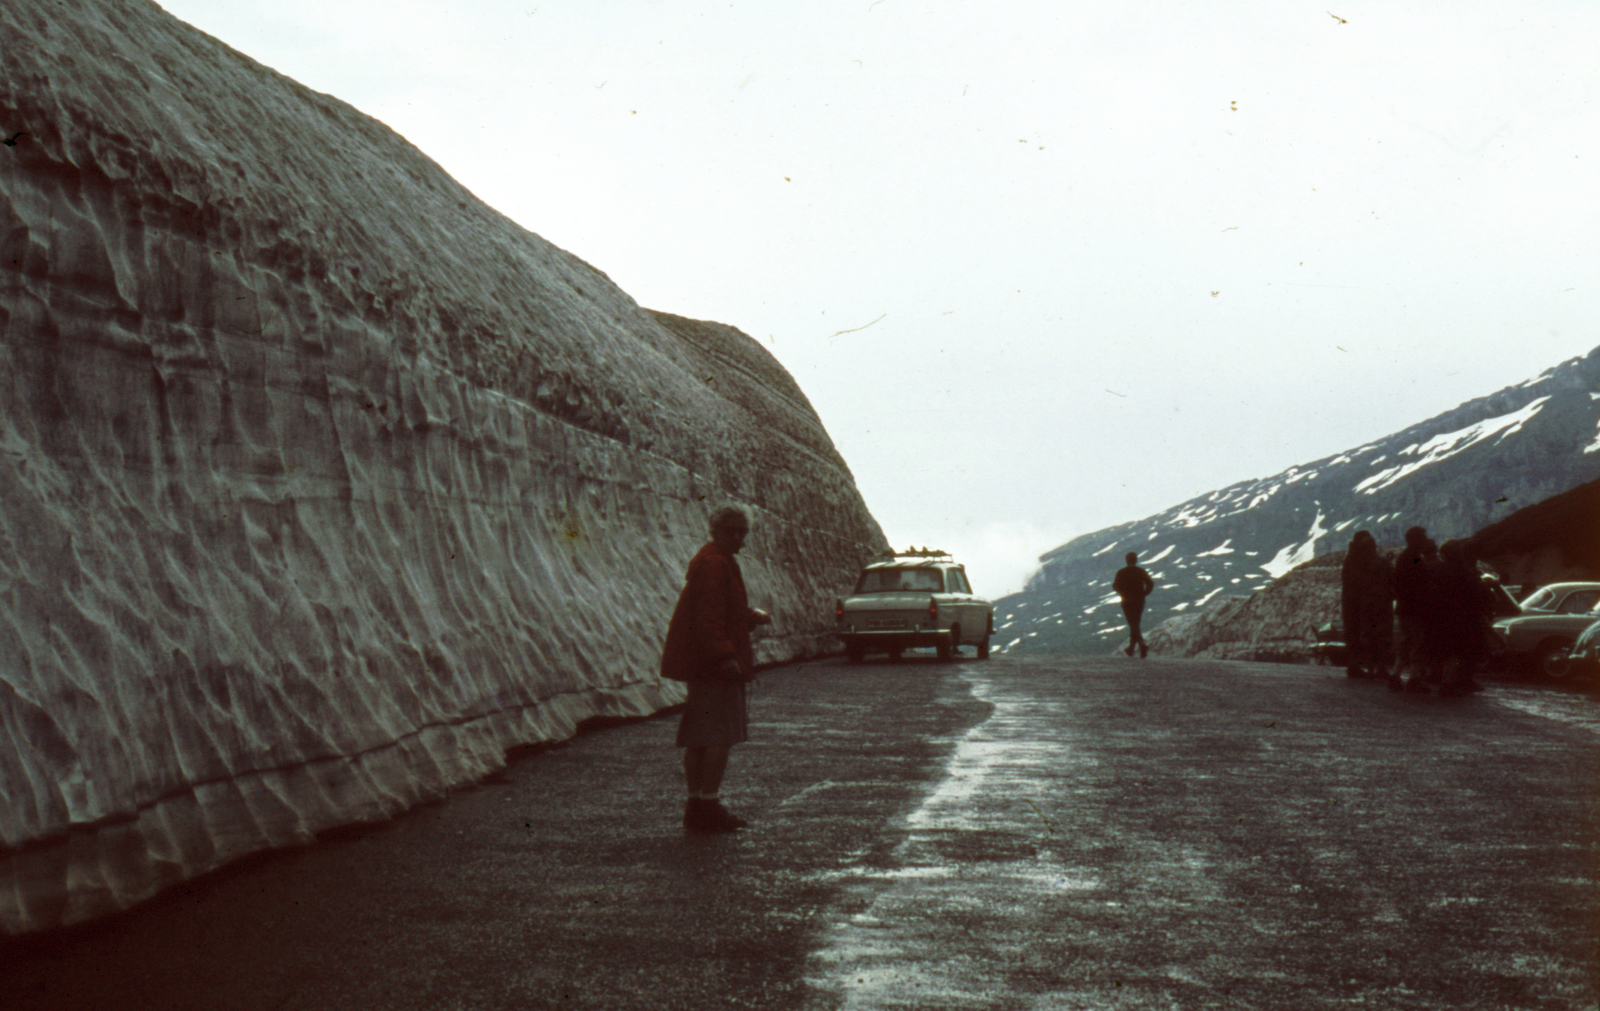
x=1454, y=474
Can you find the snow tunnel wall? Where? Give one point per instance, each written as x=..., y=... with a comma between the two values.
x=321, y=483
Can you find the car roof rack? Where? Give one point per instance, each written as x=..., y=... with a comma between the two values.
x=912, y=552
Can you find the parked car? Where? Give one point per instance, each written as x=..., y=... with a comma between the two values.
x=915, y=600
x=1328, y=645
x=1551, y=619
x=1505, y=605
x=1584, y=659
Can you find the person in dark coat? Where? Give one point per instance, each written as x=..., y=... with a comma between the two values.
x=708, y=647
x=1432, y=655
x=1413, y=591
x=1358, y=559
x=1377, y=614
x=1463, y=611
x=1133, y=584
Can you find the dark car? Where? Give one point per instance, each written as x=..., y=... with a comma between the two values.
x=1584, y=659
x=1328, y=645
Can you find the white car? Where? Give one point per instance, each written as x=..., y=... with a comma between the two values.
x=916, y=600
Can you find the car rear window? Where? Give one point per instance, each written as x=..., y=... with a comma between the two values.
x=894, y=580
x=1579, y=601
x=1540, y=600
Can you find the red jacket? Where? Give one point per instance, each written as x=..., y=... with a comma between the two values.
x=711, y=622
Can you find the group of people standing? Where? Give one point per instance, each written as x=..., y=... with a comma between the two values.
x=1418, y=621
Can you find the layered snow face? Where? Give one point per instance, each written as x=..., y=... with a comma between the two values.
x=322, y=484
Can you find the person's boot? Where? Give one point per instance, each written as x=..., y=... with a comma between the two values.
x=1461, y=686
x=720, y=819
x=1144, y=650
x=695, y=818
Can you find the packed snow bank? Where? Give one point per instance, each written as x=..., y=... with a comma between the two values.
x=321, y=483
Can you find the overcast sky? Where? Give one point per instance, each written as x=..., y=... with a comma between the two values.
x=1041, y=267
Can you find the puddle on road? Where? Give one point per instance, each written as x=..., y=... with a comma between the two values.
x=963, y=916
x=977, y=859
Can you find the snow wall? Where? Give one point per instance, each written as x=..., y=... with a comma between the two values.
x=321, y=483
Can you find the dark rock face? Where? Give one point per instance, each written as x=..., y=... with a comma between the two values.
x=1275, y=624
x=322, y=483
x=1554, y=541
x=1453, y=474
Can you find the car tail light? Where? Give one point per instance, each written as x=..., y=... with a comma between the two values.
x=933, y=612
x=838, y=610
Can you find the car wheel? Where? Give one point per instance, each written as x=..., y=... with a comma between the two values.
x=854, y=654
x=1582, y=670
x=949, y=646
x=1550, y=658
x=983, y=648
x=894, y=655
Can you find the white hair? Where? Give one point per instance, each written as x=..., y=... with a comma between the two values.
x=726, y=516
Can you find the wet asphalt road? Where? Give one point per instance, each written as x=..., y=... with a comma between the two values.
x=1017, y=833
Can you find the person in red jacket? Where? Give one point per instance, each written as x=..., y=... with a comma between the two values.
x=708, y=647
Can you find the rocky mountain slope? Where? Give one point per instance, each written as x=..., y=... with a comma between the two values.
x=1275, y=624
x=1453, y=474
x=1554, y=540
x=322, y=483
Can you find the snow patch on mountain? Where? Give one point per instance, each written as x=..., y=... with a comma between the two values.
x=1448, y=444
x=1263, y=496
x=1295, y=554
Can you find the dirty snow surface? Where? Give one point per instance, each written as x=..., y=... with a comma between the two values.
x=322, y=483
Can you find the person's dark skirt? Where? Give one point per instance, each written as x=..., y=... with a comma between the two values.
x=714, y=716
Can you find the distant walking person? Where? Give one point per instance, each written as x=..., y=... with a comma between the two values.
x=1353, y=574
x=708, y=646
x=1133, y=584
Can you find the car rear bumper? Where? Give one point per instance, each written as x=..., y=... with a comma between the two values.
x=1334, y=652
x=888, y=641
